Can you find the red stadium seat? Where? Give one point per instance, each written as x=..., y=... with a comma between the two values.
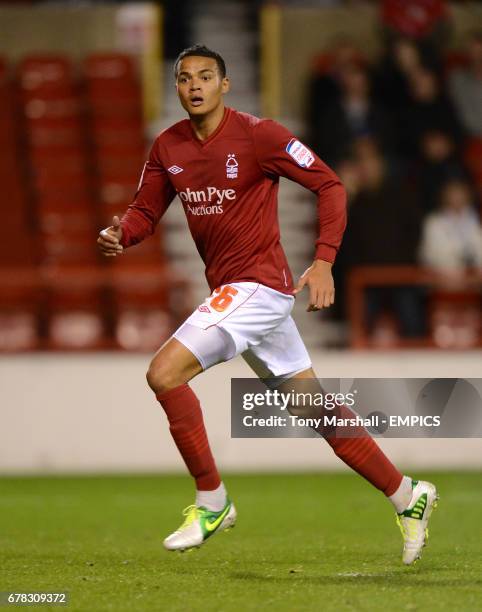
x=120, y=167
x=76, y=311
x=8, y=130
x=109, y=67
x=16, y=222
x=76, y=329
x=16, y=215
x=18, y=329
x=50, y=167
x=114, y=108
x=116, y=132
x=18, y=246
x=44, y=73
x=75, y=186
x=10, y=172
x=149, y=252
x=65, y=161
x=8, y=111
x=46, y=181
x=70, y=249
x=56, y=108
x=152, y=285
x=63, y=213
x=116, y=195
x=142, y=329
x=56, y=133
x=455, y=319
x=141, y=302
x=113, y=90
x=58, y=158
x=20, y=299
x=127, y=107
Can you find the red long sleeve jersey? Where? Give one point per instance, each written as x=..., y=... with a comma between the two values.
x=228, y=186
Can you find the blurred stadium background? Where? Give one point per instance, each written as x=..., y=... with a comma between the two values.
x=389, y=93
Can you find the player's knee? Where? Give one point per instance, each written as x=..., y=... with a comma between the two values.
x=161, y=378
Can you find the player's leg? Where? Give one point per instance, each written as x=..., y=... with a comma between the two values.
x=412, y=500
x=354, y=446
x=181, y=358
x=216, y=331
x=169, y=372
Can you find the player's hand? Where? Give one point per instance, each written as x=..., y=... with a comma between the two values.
x=319, y=279
x=109, y=239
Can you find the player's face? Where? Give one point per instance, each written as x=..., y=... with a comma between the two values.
x=199, y=85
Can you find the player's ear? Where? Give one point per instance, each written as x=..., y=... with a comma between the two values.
x=225, y=85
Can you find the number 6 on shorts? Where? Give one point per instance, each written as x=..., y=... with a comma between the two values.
x=223, y=298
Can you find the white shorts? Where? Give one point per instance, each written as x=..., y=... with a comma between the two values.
x=249, y=319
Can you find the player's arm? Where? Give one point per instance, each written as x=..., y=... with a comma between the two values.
x=279, y=153
x=154, y=194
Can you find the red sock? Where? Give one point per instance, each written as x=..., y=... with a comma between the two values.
x=362, y=454
x=367, y=459
x=187, y=428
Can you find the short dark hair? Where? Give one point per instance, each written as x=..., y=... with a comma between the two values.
x=203, y=51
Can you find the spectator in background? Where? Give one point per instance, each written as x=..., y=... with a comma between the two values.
x=349, y=175
x=428, y=109
x=466, y=88
x=438, y=161
x=324, y=86
x=401, y=59
x=426, y=21
x=384, y=229
x=352, y=115
x=326, y=69
x=452, y=236
x=384, y=218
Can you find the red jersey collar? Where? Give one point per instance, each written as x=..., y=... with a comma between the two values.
x=217, y=131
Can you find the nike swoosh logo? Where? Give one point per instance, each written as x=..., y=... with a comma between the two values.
x=215, y=524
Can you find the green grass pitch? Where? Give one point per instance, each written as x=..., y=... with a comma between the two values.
x=302, y=542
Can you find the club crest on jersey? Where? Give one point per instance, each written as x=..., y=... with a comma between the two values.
x=203, y=308
x=301, y=154
x=231, y=166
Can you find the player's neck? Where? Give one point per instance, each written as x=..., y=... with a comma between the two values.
x=205, y=125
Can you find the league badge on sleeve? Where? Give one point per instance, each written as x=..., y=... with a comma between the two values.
x=301, y=154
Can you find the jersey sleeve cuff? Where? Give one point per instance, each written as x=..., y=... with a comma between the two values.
x=325, y=252
x=124, y=241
